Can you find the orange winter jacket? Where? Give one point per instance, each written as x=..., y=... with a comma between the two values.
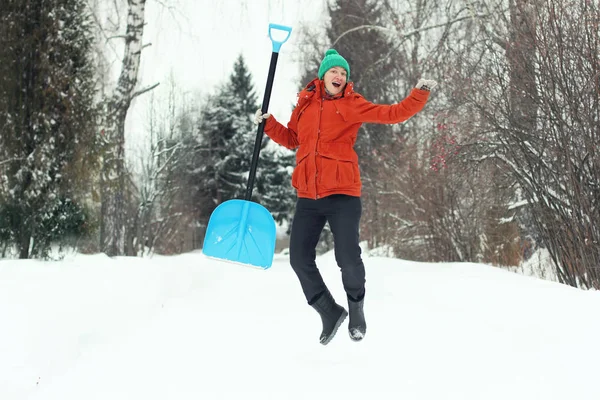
x=324, y=130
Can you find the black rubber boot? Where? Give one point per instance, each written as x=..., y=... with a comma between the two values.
x=357, y=328
x=332, y=316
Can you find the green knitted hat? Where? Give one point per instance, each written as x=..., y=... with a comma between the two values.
x=333, y=59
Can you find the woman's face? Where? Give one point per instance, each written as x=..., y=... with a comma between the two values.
x=335, y=80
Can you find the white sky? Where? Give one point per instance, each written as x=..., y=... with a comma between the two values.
x=199, y=41
x=187, y=327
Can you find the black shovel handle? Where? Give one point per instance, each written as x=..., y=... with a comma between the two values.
x=265, y=106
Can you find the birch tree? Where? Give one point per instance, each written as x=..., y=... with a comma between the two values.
x=114, y=188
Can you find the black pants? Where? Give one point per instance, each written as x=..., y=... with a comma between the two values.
x=343, y=215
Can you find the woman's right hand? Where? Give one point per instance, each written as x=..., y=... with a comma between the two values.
x=259, y=116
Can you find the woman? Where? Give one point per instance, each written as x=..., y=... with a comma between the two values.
x=323, y=127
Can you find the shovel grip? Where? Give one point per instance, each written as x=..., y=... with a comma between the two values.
x=277, y=43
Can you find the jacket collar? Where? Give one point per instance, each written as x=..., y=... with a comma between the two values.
x=317, y=86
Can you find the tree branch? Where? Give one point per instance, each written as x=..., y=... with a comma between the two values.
x=11, y=160
x=413, y=32
x=115, y=37
x=142, y=91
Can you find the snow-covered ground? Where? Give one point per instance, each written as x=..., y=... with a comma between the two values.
x=186, y=327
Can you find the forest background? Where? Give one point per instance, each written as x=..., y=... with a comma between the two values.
x=105, y=149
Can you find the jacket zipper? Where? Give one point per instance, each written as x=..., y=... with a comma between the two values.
x=320, y=103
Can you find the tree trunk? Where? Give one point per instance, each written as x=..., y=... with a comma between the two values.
x=521, y=55
x=24, y=241
x=112, y=230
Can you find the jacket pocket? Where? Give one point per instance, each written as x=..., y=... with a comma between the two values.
x=339, y=166
x=336, y=174
x=299, y=176
x=341, y=110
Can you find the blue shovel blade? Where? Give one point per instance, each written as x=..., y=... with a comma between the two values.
x=241, y=231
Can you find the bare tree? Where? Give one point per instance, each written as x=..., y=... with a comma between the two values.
x=423, y=195
x=160, y=215
x=434, y=206
x=541, y=110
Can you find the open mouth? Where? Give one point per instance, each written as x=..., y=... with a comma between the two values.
x=336, y=84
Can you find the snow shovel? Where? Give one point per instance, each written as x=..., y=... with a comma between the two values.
x=242, y=231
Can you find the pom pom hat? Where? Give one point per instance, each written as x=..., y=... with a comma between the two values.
x=333, y=59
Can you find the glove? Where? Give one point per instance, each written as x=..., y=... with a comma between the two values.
x=259, y=116
x=426, y=84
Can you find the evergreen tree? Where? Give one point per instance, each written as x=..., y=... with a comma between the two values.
x=223, y=151
x=272, y=187
x=225, y=129
x=240, y=82
x=46, y=116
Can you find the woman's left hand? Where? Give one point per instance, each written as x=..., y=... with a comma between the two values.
x=426, y=84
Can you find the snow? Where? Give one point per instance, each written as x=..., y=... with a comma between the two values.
x=538, y=265
x=189, y=327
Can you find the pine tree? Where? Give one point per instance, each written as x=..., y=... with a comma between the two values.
x=272, y=187
x=46, y=116
x=240, y=83
x=224, y=140
x=226, y=136
x=224, y=151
